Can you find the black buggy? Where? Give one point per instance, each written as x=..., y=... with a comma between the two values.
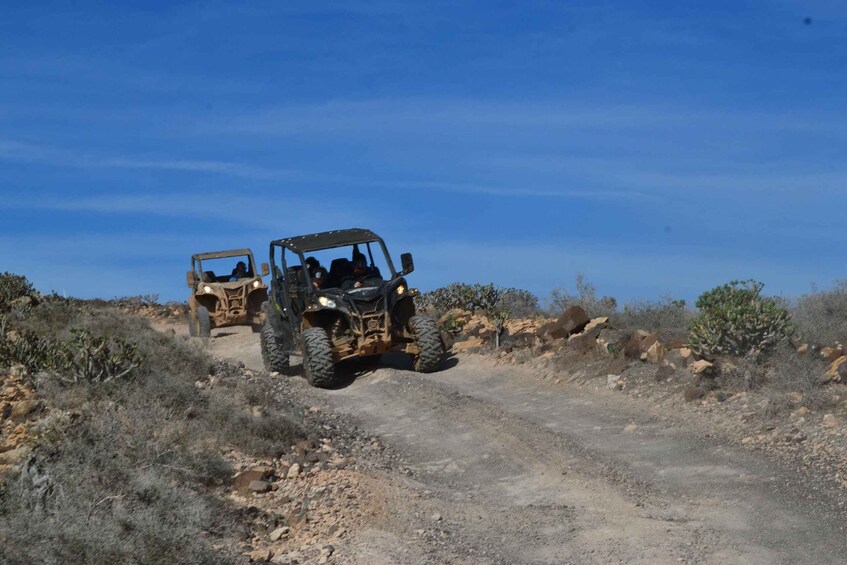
x=355, y=305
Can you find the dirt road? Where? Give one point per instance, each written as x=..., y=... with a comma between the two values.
x=496, y=466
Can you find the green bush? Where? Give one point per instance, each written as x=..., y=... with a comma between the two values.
x=517, y=302
x=84, y=358
x=29, y=349
x=470, y=297
x=453, y=325
x=735, y=319
x=12, y=287
x=98, y=359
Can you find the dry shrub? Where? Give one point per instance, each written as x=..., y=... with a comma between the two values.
x=264, y=432
x=122, y=469
x=667, y=316
x=124, y=485
x=794, y=381
x=784, y=379
x=586, y=297
x=821, y=316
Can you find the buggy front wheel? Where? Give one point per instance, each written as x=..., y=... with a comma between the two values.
x=317, y=358
x=430, y=347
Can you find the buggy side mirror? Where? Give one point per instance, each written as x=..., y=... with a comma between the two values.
x=191, y=279
x=407, y=262
x=265, y=269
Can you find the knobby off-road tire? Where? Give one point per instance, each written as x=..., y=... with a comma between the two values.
x=317, y=358
x=273, y=355
x=428, y=340
x=204, y=322
x=192, y=323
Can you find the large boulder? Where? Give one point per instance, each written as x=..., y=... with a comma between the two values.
x=545, y=328
x=596, y=325
x=572, y=321
x=680, y=358
x=479, y=326
x=837, y=370
x=655, y=354
x=244, y=479
x=830, y=354
x=611, y=341
x=521, y=332
x=582, y=342
x=586, y=340
x=674, y=343
x=702, y=368
x=468, y=345
x=639, y=343
x=521, y=326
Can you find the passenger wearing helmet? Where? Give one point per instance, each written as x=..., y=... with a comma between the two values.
x=316, y=272
x=361, y=273
x=239, y=272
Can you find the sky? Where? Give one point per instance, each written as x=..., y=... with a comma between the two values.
x=658, y=148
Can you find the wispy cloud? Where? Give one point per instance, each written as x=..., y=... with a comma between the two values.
x=11, y=150
x=528, y=191
x=408, y=115
x=16, y=151
x=272, y=214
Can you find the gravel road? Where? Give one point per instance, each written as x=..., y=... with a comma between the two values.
x=491, y=465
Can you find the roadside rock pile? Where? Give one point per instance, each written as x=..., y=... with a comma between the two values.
x=467, y=331
x=574, y=330
x=836, y=357
x=301, y=503
x=577, y=330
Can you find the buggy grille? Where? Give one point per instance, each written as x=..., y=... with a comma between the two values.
x=236, y=297
x=376, y=304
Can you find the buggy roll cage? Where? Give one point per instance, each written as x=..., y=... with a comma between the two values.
x=198, y=258
x=300, y=245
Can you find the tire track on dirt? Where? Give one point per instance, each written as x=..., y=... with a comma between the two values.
x=503, y=448
x=495, y=463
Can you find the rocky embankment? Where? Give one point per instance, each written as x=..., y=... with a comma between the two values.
x=19, y=411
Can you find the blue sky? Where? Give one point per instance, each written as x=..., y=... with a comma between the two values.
x=655, y=147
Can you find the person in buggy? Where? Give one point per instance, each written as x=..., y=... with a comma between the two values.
x=362, y=274
x=239, y=272
x=316, y=272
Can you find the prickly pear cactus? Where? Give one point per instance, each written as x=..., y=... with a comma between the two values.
x=735, y=319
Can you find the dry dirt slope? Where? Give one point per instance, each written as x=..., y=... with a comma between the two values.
x=498, y=467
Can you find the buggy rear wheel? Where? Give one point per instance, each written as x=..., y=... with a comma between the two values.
x=273, y=355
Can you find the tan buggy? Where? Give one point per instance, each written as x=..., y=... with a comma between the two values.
x=225, y=291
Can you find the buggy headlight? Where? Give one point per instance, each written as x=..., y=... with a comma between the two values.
x=400, y=290
x=207, y=289
x=255, y=284
x=326, y=302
